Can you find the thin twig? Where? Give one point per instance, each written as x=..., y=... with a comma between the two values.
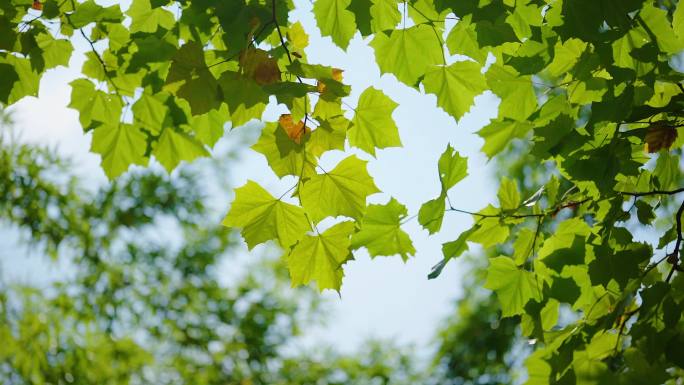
x=674, y=257
x=654, y=192
x=289, y=58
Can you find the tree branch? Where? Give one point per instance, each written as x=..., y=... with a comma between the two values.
x=654, y=192
x=289, y=58
x=674, y=256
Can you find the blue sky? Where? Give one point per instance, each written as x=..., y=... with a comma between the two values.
x=384, y=297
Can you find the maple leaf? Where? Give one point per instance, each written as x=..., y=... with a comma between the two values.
x=320, y=257
x=340, y=191
x=660, y=135
x=263, y=217
x=258, y=65
x=295, y=131
x=381, y=231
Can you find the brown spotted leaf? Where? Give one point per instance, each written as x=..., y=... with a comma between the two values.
x=660, y=135
x=336, y=75
x=295, y=131
x=258, y=65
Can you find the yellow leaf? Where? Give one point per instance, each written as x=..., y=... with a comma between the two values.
x=295, y=131
x=297, y=36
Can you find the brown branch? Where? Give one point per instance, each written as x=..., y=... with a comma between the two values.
x=289, y=58
x=104, y=66
x=496, y=215
x=674, y=256
x=654, y=192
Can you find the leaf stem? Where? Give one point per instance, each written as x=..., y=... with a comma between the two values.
x=289, y=58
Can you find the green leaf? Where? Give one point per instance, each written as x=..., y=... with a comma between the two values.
x=491, y=230
x=620, y=266
x=341, y=191
x=94, y=105
x=451, y=250
x=381, y=231
x=263, y=218
x=8, y=77
x=209, y=127
x=551, y=188
x=657, y=21
x=564, y=236
x=498, y=134
x=424, y=11
x=678, y=21
x=148, y=19
x=452, y=168
x=373, y=126
x=335, y=20
x=320, y=257
x=523, y=245
x=330, y=135
x=245, y=99
x=28, y=80
x=174, y=147
x=463, y=40
x=518, y=100
x=513, y=286
x=396, y=54
x=150, y=111
x=566, y=55
x=118, y=36
x=385, y=15
x=297, y=36
x=120, y=146
x=509, y=196
x=667, y=170
x=361, y=10
x=56, y=52
x=90, y=12
x=645, y=212
x=431, y=214
x=190, y=78
x=455, y=86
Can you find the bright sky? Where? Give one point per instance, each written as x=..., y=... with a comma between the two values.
x=385, y=297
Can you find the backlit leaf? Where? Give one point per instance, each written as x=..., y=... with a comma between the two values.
x=320, y=257
x=452, y=168
x=263, y=217
x=174, y=147
x=395, y=53
x=373, y=126
x=455, y=86
x=340, y=191
x=190, y=78
x=381, y=231
x=335, y=20
x=120, y=146
x=514, y=287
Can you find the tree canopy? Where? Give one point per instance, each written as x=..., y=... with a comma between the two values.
x=591, y=90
